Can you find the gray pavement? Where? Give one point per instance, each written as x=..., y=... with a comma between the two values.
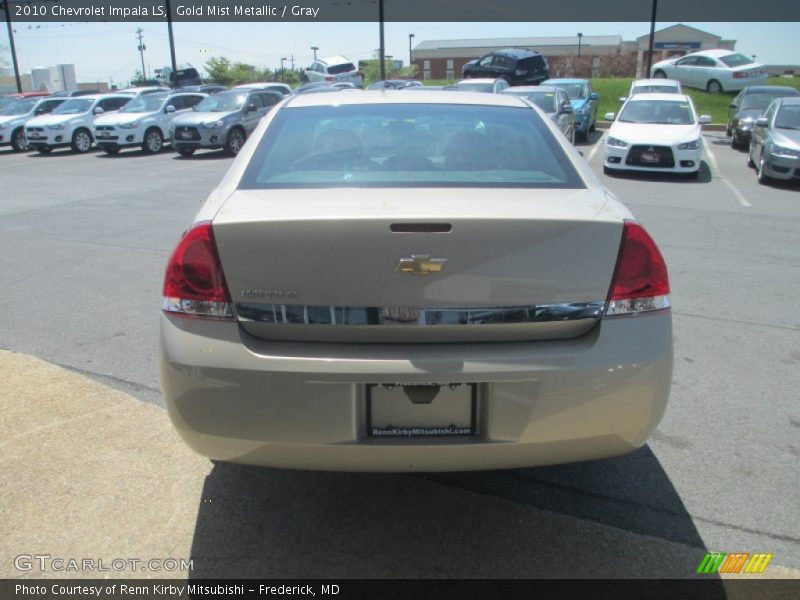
x=83, y=242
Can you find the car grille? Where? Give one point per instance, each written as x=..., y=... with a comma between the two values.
x=638, y=157
x=104, y=128
x=186, y=133
x=39, y=129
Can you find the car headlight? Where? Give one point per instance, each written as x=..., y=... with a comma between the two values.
x=693, y=145
x=57, y=126
x=616, y=142
x=784, y=151
x=213, y=124
x=131, y=125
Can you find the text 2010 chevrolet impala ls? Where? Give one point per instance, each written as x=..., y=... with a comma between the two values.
x=396, y=282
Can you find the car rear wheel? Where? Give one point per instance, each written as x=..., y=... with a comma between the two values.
x=714, y=87
x=234, y=142
x=81, y=141
x=660, y=74
x=185, y=151
x=18, y=141
x=153, y=141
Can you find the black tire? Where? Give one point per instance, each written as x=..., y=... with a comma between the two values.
x=714, y=87
x=235, y=140
x=153, y=141
x=581, y=136
x=659, y=75
x=184, y=151
x=81, y=141
x=609, y=172
x=44, y=150
x=750, y=162
x=18, y=141
x=111, y=150
x=735, y=143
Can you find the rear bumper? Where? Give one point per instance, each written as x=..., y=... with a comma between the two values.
x=302, y=405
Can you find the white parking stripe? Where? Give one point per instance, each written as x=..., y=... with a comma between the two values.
x=595, y=148
x=713, y=160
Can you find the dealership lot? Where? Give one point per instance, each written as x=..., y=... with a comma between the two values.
x=83, y=242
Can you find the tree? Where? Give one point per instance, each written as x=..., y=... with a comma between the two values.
x=138, y=78
x=219, y=70
x=290, y=77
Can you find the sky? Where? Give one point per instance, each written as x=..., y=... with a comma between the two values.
x=108, y=51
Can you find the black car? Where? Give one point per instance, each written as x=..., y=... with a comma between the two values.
x=748, y=106
x=517, y=66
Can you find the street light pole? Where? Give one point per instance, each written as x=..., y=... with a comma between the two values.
x=410, y=62
x=172, y=46
x=282, y=61
x=12, y=47
x=580, y=37
x=383, y=47
x=652, y=36
x=315, y=48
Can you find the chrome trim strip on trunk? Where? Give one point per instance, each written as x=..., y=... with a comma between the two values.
x=298, y=314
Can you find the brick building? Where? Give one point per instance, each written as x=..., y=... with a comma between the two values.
x=600, y=55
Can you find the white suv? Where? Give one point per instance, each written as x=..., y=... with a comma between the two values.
x=334, y=68
x=143, y=122
x=72, y=123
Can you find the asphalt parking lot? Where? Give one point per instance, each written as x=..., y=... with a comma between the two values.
x=83, y=243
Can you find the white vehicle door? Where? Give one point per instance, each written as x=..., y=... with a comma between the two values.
x=706, y=70
x=316, y=72
x=684, y=71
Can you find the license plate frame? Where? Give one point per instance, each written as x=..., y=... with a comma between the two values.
x=468, y=427
x=185, y=135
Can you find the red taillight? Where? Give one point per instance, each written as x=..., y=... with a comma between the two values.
x=330, y=78
x=739, y=75
x=640, y=281
x=194, y=284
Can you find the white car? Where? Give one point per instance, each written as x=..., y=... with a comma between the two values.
x=72, y=123
x=334, y=68
x=143, y=122
x=653, y=86
x=655, y=132
x=482, y=84
x=143, y=90
x=712, y=70
x=14, y=116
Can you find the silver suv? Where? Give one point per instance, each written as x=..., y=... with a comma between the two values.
x=333, y=69
x=223, y=120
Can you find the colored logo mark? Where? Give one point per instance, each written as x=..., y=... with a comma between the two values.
x=735, y=562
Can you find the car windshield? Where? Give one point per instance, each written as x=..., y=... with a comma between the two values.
x=788, y=117
x=661, y=112
x=544, y=100
x=146, y=103
x=760, y=101
x=20, y=107
x=469, y=86
x=409, y=145
x=574, y=90
x=736, y=60
x=341, y=68
x=224, y=102
x=75, y=106
x=655, y=89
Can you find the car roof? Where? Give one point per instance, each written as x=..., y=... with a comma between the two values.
x=765, y=89
x=531, y=88
x=99, y=96
x=517, y=52
x=565, y=80
x=477, y=80
x=639, y=82
x=654, y=96
x=400, y=97
x=335, y=60
x=792, y=100
x=715, y=52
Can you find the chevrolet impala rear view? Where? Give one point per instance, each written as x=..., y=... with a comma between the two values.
x=413, y=282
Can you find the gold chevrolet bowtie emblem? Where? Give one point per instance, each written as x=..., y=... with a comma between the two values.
x=420, y=264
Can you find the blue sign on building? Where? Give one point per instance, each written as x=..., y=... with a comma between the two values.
x=676, y=45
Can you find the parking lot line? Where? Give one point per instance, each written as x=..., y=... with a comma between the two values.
x=716, y=171
x=595, y=148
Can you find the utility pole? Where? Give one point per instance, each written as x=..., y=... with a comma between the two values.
x=383, y=47
x=11, y=45
x=142, y=48
x=291, y=60
x=652, y=36
x=410, y=62
x=282, y=61
x=174, y=77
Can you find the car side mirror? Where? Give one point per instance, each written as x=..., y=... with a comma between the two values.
x=567, y=109
x=610, y=116
x=251, y=108
x=170, y=109
x=99, y=110
x=704, y=119
x=593, y=96
x=762, y=122
x=732, y=105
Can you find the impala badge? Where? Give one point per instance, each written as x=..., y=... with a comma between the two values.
x=420, y=264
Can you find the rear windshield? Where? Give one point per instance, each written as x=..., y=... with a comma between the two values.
x=736, y=60
x=475, y=87
x=544, y=100
x=661, y=112
x=531, y=63
x=576, y=91
x=655, y=89
x=343, y=68
x=409, y=145
x=761, y=101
